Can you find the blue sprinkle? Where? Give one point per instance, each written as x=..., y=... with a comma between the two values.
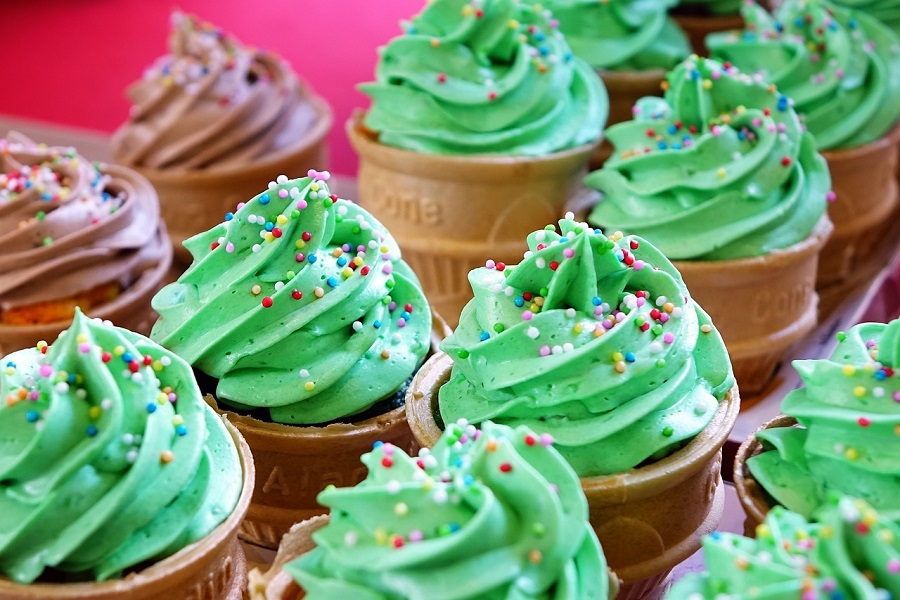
x=662, y=145
x=676, y=146
x=127, y=357
x=742, y=135
x=181, y=430
x=519, y=301
x=91, y=430
x=798, y=22
x=544, y=50
x=311, y=258
x=880, y=375
x=484, y=335
x=270, y=226
x=563, y=240
x=11, y=364
x=567, y=56
x=332, y=282
x=377, y=324
x=468, y=480
x=151, y=407
x=71, y=378
x=673, y=128
x=539, y=36
x=341, y=261
x=629, y=357
x=229, y=216
x=454, y=527
x=264, y=199
x=715, y=535
x=596, y=301
x=404, y=315
x=377, y=445
x=695, y=74
x=31, y=416
x=852, y=23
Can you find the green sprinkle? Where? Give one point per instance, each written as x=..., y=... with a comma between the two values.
x=47, y=241
x=656, y=330
x=295, y=214
x=545, y=291
x=841, y=336
x=640, y=321
x=661, y=362
x=41, y=215
x=668, y=431
x=327, y=202
x=463, y=354
x=499, y=327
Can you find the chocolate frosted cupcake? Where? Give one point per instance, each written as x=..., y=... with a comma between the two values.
x=212, y=120
x=301, y=310
x=74, y=234
x=116, y=479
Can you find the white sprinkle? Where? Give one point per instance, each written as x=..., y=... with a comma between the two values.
x=533, y=332
x=304, y=372
x=393, y=486
x=357, y=326
x=131, y=456
x=540, y=263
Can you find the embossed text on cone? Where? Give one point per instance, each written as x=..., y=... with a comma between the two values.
x=213, y=568
x=648, y=519
x=193, y=201
x=451, y=213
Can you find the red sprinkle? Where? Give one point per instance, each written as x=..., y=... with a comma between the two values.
x=267, y=302
x=276, y=232
x=634, y=244
x=442, y=78
x=529, y=440
x=296, y=294
x=505, y=467
x=501, y=266
x=408, y=307
x=386, y=462
x=134, y=366
x=864, y=421
x=364, y=271
x=214, y=245
x=554, y=265
x=786, y=161
x=148, y=360
x=655, y=314
x=106, y=357
x=306, y=236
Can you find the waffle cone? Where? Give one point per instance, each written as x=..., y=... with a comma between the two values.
x=697, y=27
x=451, y=213
x=193, y=201
x=759, y=320
x=130, y=309
x=864, y=180
x=213, y=568
x=753, y=497
x=648, y=519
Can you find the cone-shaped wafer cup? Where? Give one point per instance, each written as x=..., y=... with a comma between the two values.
x=864, y=180
x=625, y=88
x=192, y=201
x=760, y=305
x=697, y=27
x=213, y=568
x=648, y=519
x=294, y=463
x=450, y=213
x=130, y=309
x=753, y=497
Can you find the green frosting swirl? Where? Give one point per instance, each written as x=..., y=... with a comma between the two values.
x=850, y=553
x=719, y=169
x=840, y=68
x=628, y=35
x=487, y=514
x=593, y=340
x=886, y=11
x=298, y=303
x=108, y=456
x=484, y=77
x=850, y=435
x=714, y=7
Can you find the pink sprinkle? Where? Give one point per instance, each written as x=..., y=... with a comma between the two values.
x=664, y=317
x=387, y=269
x=544, y=351
x=896, y=396
x=302, y=204
x=282, y=193
x=416, y=536
x=490, y=264
x=346, y=247
x=635, y=110
x=893, y=566
x=715, y=130
x=607, y=324
x=546, y=439
x=716, y=74
x=387, y=448
x=598, y=311
x=401, y=322
x=84, y=348
x=229, y=247
x=568, y=253
x=34, y=395
x=241, y=205
x=640, y=301
x=668, y=337
x=299, y=257
x=757, y=122
x=46, y=370
x=527, y=315
x=831, y=196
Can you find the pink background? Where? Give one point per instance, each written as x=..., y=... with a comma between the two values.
x=69, y=61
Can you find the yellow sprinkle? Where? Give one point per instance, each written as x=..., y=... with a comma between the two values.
x=616, y=236
x=851, y=454
x=385, y=354
x=166, y=457
x=513, y=24
x=41, y=345
x=314, y=186
x=620, y=367
x=401, y=509
x=157, y=366
x=869, y=518
x=859, y=391
x=467, y=10
x=491, y=445
x=539, y=301
x=668, y=307
x=281, y=219
x=94, y=412
x=886, y=536
x=896, y=429
x=707, y=84
x=300, y=244
x=721, y=173
x=269, y=237
x=255, y=290
x=578, y=328
x=826, y=531
x=381, y=537
x=346, y=272
x=319, y=292
x=119, y=350
x=309, y=386
x=618, y=357
x=427, y=483
x=384, y=249
x=535, y=308
x=598, y=332
x=762, y=531
x=535, y=556
x=849, y=370
x=358, y=261
x=337, y=252
x=177, y=420
x=81, y=338
x=162, y=398
x=10, y=371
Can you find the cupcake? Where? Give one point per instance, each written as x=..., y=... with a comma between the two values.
x=481, y=125
x=839, y=432
x=886, y=11
x=74, y=234
x=842, y=72
x=307, y=324
x=699, y=18
x=720, y=176
x=850, y=552
x=118, y=481
x=490, y=513
x=596, y=341
x=211, y=121
x=631, y=44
